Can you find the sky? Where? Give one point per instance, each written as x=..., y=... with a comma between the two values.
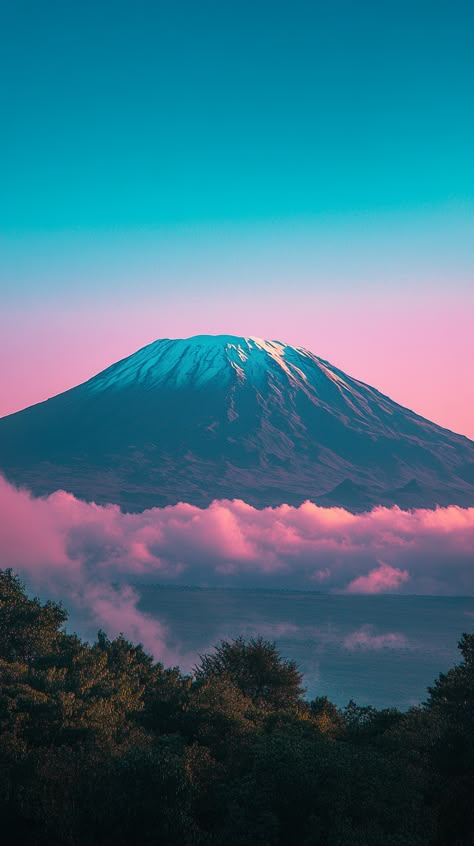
x=301, y=171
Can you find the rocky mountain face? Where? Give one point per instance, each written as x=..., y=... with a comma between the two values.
x=215, y=417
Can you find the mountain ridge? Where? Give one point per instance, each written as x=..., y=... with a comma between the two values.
x=225, y=416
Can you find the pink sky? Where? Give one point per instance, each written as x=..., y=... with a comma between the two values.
x=421, y=355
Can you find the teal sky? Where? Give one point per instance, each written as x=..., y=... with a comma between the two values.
x=136, y=114
x=223, y=165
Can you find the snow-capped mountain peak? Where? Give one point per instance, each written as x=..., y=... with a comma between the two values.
x=208, y=417
x=198, y=361
x=210, y=360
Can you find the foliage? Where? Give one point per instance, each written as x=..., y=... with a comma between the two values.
x=258, y=670
x=450, y=707
x=28, y=629
x=100, y=744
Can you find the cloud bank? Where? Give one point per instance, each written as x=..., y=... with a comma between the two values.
x=91, y=556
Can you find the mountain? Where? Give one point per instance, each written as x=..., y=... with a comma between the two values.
x=226, y=417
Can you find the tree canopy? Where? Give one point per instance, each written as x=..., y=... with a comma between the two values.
x=101, y=744
x=256, y=667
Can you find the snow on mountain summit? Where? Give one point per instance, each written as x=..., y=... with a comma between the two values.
x=200, y=360
x=210, y=360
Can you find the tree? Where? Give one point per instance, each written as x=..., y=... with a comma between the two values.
x=450, y=707
x=28, y=629
x=256, y=667
x=218, y=715
x=326, y=716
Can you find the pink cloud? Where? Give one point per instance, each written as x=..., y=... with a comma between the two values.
x=91, y=556
x=380, y=580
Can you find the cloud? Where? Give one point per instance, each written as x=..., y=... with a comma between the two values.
x=91, y=556
x=382, y=579
x=365, y=638
x=331, y=637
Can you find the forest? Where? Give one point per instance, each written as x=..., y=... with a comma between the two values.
x=101, y=744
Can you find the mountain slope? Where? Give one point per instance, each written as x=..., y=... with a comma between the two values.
x=227, y=417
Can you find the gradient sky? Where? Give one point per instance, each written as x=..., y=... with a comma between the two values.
x=293, y=170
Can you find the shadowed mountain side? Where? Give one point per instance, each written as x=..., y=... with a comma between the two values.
x=223, y=417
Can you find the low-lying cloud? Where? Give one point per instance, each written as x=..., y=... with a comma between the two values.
x=381, y=579
x=367, y=638
x=92, y=555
